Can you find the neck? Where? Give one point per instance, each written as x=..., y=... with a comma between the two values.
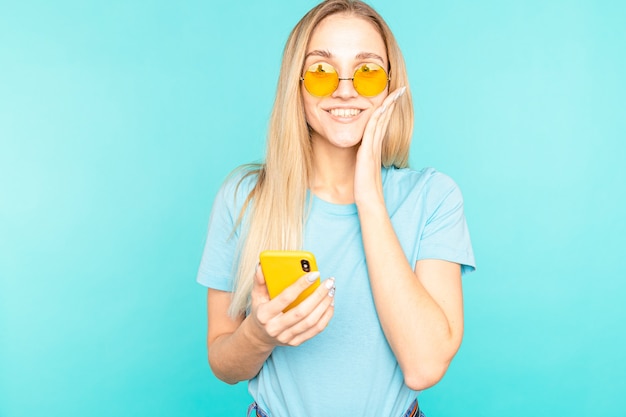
x=333, y=172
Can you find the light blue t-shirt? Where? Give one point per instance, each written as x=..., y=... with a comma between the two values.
x=349, y=368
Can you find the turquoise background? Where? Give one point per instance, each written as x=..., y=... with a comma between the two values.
x=119, y=120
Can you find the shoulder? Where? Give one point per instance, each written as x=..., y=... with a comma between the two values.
x=237, y=186
x=427, y=183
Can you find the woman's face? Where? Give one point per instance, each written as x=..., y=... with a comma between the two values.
x=346, y=43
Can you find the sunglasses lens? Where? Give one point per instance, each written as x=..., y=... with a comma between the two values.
x=370, y=80
x=321, y=79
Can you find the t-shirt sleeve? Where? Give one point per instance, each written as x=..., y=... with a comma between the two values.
x=446, y=235
x=220, y=250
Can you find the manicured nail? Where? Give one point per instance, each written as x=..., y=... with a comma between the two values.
x=400, y=93
x=383, y=108
x=330, y=283
x=331, y=293
x=312, y=276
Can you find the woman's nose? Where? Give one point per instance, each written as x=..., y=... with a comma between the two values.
x=345, y=89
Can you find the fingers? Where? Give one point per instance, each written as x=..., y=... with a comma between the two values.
x=314, y=330
x=392, y=98
x=388, y=104
x=259, y=288
x=258, y=274
x=316, y=321
x=305, y=320
x=324, y=293
x=377, y=125
x=289, y=294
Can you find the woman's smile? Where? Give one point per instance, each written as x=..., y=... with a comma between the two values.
x=344, y=115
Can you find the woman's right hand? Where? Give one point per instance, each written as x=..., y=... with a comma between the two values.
x=273, y=327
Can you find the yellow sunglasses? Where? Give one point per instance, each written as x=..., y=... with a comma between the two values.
x=321, y=79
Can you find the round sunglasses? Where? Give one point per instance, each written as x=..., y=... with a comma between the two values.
x=321, y=79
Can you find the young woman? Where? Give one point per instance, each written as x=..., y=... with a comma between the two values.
x=335, y=182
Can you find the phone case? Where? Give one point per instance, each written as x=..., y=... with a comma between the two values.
x=283, y=268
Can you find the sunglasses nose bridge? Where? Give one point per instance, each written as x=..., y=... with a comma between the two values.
x=341, y=90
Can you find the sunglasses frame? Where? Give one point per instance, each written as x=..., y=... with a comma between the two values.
x=387, y=73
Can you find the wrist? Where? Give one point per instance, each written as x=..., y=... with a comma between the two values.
x=252, y=335
x=372, y=204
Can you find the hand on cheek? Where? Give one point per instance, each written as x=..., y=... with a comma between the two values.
x=367, y=181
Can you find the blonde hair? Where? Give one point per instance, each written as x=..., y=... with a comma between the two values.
x=274, y=213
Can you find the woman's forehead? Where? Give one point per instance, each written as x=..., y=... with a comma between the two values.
x=346, y=37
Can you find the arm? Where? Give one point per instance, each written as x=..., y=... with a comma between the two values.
x=421, y=310
x=233, y=354
x=420, y=306
x=239, y=347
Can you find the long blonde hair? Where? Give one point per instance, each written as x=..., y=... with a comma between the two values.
x=274, y=213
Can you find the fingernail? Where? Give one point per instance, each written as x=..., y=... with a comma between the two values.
x=331, y=293
x=383, y=108
x=330, y=283
x=312, y=276
x=400, y=93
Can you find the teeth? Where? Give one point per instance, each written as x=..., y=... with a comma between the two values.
x=344, y=112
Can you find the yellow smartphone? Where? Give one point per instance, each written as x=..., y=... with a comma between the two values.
x=281, y=268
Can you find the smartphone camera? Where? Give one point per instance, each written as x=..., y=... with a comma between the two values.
x=305, y=265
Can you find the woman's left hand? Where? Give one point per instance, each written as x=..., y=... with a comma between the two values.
x=367, y=177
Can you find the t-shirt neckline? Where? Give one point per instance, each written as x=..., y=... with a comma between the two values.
x=337, y=209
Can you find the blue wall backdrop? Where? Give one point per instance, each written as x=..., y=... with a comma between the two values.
x=119, y=120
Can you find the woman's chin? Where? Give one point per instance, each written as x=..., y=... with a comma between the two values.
x=340, y=140
x=346, y=143
x=345, y=140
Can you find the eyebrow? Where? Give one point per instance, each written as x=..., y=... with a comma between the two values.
x=360, y=55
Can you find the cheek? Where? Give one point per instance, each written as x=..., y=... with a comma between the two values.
x=310, y=110
x=379, y=99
